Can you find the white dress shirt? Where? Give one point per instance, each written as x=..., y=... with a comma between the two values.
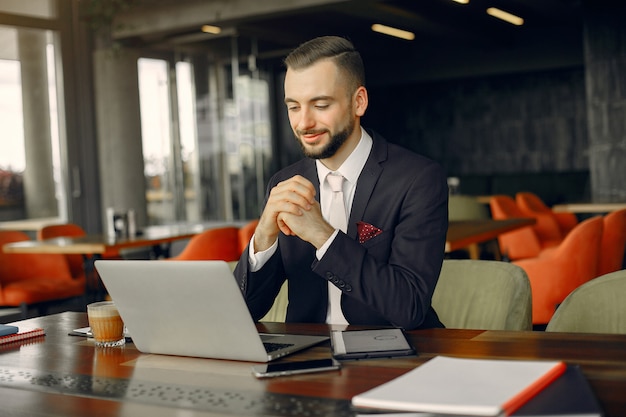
x=351, y=170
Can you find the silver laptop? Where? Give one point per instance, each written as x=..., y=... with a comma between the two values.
x=191, y=308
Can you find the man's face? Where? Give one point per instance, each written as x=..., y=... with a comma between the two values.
x=320, y=109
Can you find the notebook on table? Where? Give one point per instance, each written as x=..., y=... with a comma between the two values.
x=191, y=308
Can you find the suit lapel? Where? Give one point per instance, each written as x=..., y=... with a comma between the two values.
x=310, y=173
x=366, y=182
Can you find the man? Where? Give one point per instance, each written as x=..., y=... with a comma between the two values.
x=381, y=267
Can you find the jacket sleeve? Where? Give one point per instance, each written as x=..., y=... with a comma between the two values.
x=259, y=288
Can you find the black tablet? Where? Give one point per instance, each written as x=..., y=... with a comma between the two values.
x=365, y=344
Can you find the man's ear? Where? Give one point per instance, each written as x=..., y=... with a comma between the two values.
x=360, y=101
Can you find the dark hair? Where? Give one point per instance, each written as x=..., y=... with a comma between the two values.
x=340, y=50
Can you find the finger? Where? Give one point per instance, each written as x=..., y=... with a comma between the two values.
x=299, y=186
x=283, y=227
x=288, y=200
x=304, y=182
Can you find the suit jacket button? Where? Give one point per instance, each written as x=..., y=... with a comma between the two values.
x=348, y=288
x=329, y=275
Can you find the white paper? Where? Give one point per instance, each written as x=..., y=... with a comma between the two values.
x=456, y=386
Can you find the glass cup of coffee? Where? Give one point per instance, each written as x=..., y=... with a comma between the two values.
x=106, y=324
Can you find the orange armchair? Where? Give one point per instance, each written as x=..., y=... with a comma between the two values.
x=551, y=226
x=557, y=272
x=76, y=262
x=518, y=244
x=60, y=230
x=34, y=279
x=613, y=242
x=213, y=244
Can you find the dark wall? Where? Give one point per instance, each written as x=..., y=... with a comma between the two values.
x=499, y=134
x=517, y=123
x=605, y=63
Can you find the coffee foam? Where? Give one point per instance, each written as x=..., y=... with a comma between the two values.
x=104, y=312
x=102, y=309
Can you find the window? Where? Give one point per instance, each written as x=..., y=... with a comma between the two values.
x=30, y=184
x=33, y=8
x=206, y=153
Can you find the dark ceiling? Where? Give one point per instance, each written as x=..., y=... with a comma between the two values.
x=448, y=34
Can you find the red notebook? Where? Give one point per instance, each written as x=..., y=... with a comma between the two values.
x=22, y=334
x=479, y=387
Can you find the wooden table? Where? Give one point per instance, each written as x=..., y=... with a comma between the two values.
x=588, y=208
x=101, y=244
x=469, y=233
x=29, y=225
x=61, y=375
x=461, y=234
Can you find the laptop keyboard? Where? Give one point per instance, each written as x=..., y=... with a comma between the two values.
x=272, y=347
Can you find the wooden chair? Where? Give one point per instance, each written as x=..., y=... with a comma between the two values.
x=613, y=242
x=595, y=307
x=35, y=280
x=557, y=272
x=480, y=294
x=213, y=244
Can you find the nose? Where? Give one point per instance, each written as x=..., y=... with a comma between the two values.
x=305, y=119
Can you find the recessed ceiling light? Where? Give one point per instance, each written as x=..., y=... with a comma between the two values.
x=462, y=1
x=398, y=33
x=506, y=16
x=211, y=29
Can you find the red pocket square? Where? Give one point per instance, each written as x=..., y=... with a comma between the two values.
x=367, y=231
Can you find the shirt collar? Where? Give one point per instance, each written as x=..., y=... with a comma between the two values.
x=353, y=165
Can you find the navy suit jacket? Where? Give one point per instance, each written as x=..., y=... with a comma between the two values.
x=387, y=280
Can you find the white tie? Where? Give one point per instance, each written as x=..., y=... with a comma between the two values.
x=336, y=218
x=337, y=214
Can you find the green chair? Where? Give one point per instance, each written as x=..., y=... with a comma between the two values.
x=465, y=207
x=278, y=312
x=597, y=306
x=480, y=294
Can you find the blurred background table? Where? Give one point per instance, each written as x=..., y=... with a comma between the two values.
x=469, y=233
x=588, y=208
x=152, y=236
x=92, y=247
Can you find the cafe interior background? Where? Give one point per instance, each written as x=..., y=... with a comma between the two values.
x=173, y=109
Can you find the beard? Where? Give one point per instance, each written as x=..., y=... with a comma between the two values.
x=336, y=141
